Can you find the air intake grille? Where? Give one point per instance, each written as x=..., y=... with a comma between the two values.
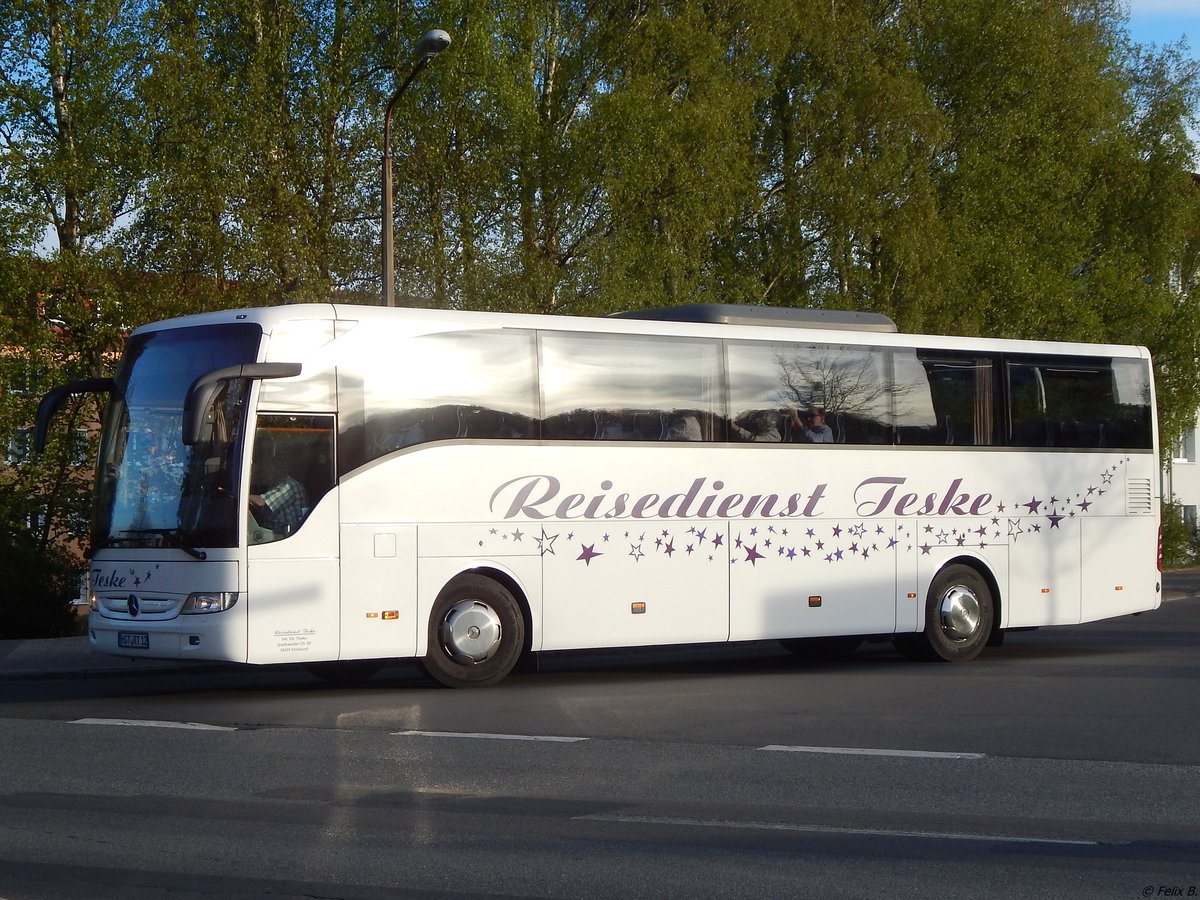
x=1139, y=497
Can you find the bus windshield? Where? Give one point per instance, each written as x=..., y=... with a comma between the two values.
x=151, y=489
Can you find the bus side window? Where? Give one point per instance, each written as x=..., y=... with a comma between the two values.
x=317, y=473
x=808, y=393
x=1029, y=424
x=613, y=387
x=292, y=469
x=402, y=390
x=957, y=409
x=1085, y=401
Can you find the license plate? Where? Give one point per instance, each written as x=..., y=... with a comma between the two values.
x=135, y=640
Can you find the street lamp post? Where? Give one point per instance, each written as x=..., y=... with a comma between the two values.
x=430, y=45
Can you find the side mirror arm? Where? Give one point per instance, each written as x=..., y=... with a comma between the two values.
x=204, y=389
x=51, y=402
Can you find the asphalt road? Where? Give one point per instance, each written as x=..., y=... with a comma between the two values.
x=1066, y=763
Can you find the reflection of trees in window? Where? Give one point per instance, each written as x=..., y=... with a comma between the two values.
x=630, y=425
x=841, y=381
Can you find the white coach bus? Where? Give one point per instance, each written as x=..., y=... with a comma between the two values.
x=322, y=483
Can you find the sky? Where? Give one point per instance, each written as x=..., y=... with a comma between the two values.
x=1165, y=22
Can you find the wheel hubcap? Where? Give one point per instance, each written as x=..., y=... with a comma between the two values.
x=959, y=613
x=470, y=632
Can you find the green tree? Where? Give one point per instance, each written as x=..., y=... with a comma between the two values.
x=673, y=133
x=73, y=152
x=1141, y=281
x=996, y=167
x=49, y=580
x=71, y=161
x=846, y=213
x=261, y=135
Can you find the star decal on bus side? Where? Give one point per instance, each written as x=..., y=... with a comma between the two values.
x=869, y=541
x=545, y=542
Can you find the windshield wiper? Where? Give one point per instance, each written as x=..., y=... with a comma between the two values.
x=171, y=538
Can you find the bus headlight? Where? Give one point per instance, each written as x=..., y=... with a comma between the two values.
x=208, y=602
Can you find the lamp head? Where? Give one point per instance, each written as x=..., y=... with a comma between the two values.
x=432, y=43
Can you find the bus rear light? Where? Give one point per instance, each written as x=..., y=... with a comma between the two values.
x=203, y=602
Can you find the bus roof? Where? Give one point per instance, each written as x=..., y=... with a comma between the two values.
x=794, y=317
x=720, y=321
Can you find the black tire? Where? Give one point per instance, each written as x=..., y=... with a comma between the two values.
x=345, y=673
x=959, y=613
x=476, y=633
x=822, y=647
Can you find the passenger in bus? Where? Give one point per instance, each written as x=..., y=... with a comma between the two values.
x=282, y=506
x=811, y=427
x=761, y=428
x=684, y=428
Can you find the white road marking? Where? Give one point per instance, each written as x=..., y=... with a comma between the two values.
x=837, y=829
x=866, y=751
x=151, y=723
x=483, y=736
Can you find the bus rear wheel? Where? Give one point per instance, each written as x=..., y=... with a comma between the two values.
x=476, y=633
x=958, y=618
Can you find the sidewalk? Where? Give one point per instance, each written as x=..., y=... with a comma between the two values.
x=72, y=657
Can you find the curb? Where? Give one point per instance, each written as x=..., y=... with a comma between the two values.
x=103, y=667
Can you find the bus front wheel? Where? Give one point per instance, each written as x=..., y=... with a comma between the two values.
x=958, y=618
x=476, y=633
